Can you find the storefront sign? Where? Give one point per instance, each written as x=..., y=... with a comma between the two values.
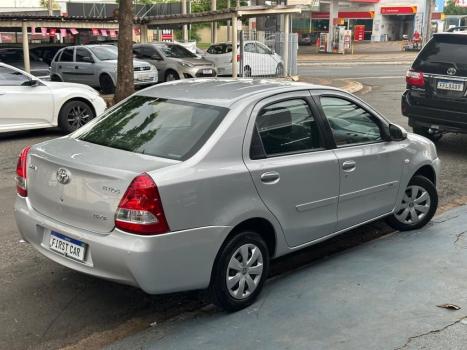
x=359, y=32
x=403, y=10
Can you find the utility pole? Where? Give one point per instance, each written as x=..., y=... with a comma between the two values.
x=214, y=24
x=428, y=14
x=185, y=26
x=50, y=7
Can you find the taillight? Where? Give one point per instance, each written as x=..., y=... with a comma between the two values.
x=238, y=58
x=140, y=210
x=21, y=172
x=414, y=78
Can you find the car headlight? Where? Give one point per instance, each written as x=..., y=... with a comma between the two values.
x=185, y=64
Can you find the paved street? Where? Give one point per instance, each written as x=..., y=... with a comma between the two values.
x=44, y=305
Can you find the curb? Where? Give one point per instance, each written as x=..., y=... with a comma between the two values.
x=351, y=63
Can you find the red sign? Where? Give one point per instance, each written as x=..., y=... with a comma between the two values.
x=95, y=32
x=359, y=32
x=404, y=10
x=52, y=32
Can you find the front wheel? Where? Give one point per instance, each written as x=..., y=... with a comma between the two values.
x=417, y=207
x=240, y=270
x=280, y=70
x=74, y=114
x=106, y=83
x=171, y=76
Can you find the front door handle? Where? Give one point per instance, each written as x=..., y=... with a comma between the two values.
x=271, y=177
x=76, y=67
x=349, y=166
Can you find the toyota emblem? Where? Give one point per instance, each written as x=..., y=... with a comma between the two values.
x=452, y=71
x=63, y=176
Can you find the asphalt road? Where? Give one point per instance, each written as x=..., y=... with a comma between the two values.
x=46, y=306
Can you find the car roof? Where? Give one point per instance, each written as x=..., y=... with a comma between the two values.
x=223, y=92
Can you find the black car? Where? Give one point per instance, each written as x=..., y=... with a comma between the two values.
x=435, y=100
x=14, y=57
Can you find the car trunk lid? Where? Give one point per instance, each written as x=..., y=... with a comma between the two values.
x=81, y=184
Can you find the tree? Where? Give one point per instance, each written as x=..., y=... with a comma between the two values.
x=125, y=82
x=451, y=8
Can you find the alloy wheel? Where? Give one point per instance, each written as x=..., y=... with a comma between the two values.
x=244, y=271
x=78, y=116
x=415, y=205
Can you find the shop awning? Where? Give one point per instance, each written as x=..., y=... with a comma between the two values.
x=398, y=10
x=345, y=14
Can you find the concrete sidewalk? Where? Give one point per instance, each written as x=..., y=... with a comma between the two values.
x=379, y=295
x=375, y=58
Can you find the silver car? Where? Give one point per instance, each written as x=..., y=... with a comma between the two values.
x=200, y=183
x=173, y=61
x=96, y=65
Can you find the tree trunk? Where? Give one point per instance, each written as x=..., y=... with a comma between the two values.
x=125, y=83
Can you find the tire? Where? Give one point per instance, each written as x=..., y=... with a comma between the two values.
x=423, y=131
x=55, y=78
x=106, y=84
x=171, y=76
x=74, y=114
x=247, y=72
x=424, y=208
x=280, y=70
x=229, y=262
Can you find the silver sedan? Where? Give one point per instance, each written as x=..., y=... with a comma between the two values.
x=200, y=183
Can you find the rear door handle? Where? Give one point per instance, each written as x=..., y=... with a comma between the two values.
x=60, y=67
x=349, y=166
x=76, y=67
x=271, y=177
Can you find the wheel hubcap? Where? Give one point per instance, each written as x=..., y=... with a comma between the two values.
x=415, y=205
x=78, y=116
x=244, y=271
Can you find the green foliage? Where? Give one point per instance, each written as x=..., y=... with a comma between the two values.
x=452, y=9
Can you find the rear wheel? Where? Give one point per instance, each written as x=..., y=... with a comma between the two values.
x=240, y=270
x=106, y=84
x=424, y=131
x=74, y=114
x=417, y=207
x=55, y=78
x=171, y=75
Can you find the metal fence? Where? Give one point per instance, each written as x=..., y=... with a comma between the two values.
x=267, y=54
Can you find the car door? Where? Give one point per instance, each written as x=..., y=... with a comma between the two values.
x=252, y=59
x=66, y=66
x=295, y=172
x=370, y=167
x=22, y=104
x=85, y=69
x=152, y=55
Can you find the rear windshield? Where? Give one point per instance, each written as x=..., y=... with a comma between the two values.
x=154, y=126
x=219, y=49
x=443, y=52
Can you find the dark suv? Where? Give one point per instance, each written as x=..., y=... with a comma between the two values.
x=435, y=100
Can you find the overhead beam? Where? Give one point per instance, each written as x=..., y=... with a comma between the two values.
x=60, y=24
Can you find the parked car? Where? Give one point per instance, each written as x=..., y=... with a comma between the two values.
x=435, y=100
x=173, y=61
x=46, y=52
x=200, y=183
x=96, y=66
x=258, y=59
x=31, y=103
x=13, y=56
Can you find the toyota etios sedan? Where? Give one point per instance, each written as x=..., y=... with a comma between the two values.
x=200, y=183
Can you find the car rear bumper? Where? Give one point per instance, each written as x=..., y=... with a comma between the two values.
x=437, y=118
x=165, y=263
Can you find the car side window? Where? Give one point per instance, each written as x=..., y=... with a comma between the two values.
x=151, y=52
x=10, y=77
x=250, y=47
x=350, y=124
x=263, y=49
x=83, y=55
x=67, y=55
x=286, y=127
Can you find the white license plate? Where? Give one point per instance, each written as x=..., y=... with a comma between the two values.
x=450, y=85
x=67, y=246
x=144, y=77
x=207, y=71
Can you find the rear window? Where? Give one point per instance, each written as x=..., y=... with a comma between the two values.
x=219, y=49
x=154, y=126
x=443, y=52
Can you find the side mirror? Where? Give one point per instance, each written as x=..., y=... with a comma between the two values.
x=156, y=57
x=31, y=82
x=87, y=59
x=397, y=133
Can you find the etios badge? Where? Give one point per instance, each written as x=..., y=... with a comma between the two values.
x=452, y=71
x=63, y=176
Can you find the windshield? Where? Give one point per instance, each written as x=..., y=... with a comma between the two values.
x=105, y=52
x=154, y=126
x=175, y=51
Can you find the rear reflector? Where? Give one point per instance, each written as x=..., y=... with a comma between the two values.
x=415, y=78
x=140, y=210
x=21, y=172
